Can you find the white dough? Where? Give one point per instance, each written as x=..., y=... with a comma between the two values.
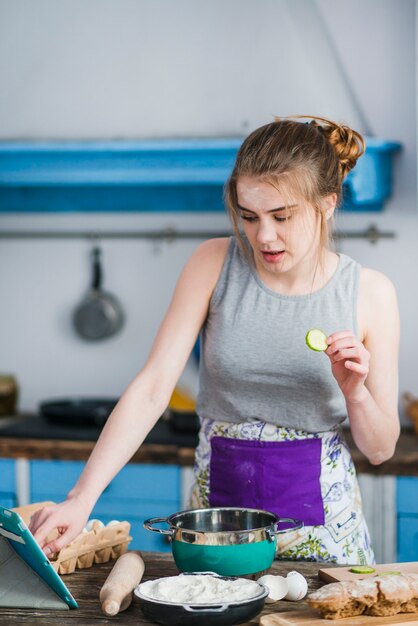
x=200, y=589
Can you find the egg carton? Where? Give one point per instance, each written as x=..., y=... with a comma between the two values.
x=96, y=544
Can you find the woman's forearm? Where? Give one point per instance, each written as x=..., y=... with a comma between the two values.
x=374, y=431
x=133, y=417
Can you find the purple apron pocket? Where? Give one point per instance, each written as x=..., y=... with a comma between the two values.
x=278, y=476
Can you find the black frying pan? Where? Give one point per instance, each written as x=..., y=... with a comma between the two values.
x=78, y=411
x=99, y=314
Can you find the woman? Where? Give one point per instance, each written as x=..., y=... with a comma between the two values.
x=271, y=409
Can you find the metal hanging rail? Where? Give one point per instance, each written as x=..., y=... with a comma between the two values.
x=372, y=234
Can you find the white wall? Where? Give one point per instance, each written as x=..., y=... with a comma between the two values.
x=130, y=68
x=42, y=283
x=123, y=68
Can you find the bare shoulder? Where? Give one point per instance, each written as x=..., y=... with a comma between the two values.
x=377, y=303
x=215, y=248
x=208, y=258
x=202, y=270
x=375, y=286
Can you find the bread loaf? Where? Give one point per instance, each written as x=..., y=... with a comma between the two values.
x=377, y=595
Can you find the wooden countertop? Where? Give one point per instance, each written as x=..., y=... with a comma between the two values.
x=32, y=437
x=85, y=586
x=72, y=450
x=173, y=450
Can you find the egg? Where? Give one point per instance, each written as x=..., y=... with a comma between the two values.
x=276, y=585
x=297, y=586
x=93, y=524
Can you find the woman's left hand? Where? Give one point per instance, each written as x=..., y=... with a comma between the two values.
x=350, y=364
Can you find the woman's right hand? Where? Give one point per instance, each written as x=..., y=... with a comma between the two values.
x=68, y=517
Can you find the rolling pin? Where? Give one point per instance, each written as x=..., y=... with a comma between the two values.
x=126, y=574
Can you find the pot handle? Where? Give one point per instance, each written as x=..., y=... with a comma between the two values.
x=296, y=524
x=96, y=281
x=148, y=524
x=206, y=609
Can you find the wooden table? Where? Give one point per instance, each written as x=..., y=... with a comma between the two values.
x=85, y=586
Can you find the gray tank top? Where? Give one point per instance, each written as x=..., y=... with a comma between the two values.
x=255, y=364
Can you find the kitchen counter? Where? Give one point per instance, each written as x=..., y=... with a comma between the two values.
x=85, y=586
x=33, y=437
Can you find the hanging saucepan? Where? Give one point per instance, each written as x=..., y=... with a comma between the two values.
x=99, y=314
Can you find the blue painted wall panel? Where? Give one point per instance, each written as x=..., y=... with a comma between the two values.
x=7, y=483
x=407, y=494
x=407, y=518
x=407, y=538
x=136, y=493
x=136, y=513
x=8, y=500
x=7, y=476
x=145, y=482
x=53, y=479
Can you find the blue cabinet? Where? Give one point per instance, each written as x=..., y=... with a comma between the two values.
x=136, y=493
x=7, y=483
x=407, y=518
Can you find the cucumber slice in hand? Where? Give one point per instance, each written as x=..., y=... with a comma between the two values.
x=316, y=340
x=362, y=569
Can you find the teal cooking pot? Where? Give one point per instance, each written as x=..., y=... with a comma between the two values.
x=229, y=541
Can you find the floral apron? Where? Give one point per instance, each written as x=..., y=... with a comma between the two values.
x=292, y=473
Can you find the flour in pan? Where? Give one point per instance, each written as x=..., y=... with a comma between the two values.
x=200, y=589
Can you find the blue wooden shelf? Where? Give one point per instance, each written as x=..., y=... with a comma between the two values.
x=152, y=175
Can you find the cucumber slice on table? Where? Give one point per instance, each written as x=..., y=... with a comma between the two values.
x=362, y=569
x=316, y=340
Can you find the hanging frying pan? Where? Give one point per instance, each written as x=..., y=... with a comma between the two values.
x=99, y=315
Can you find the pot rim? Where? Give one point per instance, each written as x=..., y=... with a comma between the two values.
x=183, y=534
x=274, y=520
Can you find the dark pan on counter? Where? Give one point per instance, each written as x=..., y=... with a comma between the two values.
x=183, y=421
x=78, y=411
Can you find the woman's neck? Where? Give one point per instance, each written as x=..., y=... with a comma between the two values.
x=308, y=276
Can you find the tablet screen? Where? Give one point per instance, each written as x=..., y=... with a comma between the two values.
x=14, y=529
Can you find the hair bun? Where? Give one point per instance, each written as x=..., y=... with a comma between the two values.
x=348, y=144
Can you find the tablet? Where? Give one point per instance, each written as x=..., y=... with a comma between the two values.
x=14, y=530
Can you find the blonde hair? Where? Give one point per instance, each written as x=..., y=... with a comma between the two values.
x=308, y=160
